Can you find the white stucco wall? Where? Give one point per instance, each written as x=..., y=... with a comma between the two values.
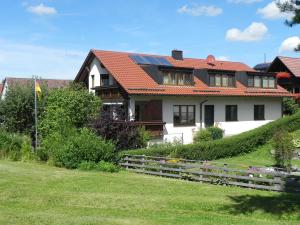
x=245, y=113
x=97, y=70
x=5, y=88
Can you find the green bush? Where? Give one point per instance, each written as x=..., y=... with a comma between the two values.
x=101, y=166
x=70, y=149
x=11, y=145
x=85, y=165
x=107, y=167
x=26, y=150
x=227, y=147
x=208, y=134
x=202, y=136
x=216, y=132
x=290, y=106
x=283, y=145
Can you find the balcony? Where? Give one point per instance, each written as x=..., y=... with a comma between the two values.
x=155, y=128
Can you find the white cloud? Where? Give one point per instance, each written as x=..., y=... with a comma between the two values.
x=200, y=10
x=223, y=58
x=254, y=32
x=289, y=44
x=271, y=11
x=20, y=59
x=41, y=10
x=244, y=1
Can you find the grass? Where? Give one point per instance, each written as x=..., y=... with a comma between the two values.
x=260, y=157
x=32, y=193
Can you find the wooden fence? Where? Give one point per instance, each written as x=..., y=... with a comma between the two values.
x=211, y=172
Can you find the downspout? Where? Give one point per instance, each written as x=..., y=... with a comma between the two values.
x=201, y=104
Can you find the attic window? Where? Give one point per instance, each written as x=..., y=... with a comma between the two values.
x=261, y=81
x=177, y=78
x=221, y=80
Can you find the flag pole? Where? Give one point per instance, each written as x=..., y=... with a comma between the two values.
x=35, y=114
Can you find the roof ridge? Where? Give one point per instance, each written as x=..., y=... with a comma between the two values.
x=157, y=55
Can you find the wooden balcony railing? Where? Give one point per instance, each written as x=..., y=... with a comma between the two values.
x=155, y=128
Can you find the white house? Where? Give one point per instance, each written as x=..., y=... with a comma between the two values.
x=173, y=96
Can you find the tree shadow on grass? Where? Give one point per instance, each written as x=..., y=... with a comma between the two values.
x=278, y=205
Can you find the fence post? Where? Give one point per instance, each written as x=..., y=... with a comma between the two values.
x=277, y=182
x=143, y=162
x=126, y=161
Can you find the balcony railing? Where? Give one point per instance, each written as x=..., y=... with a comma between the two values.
x=155, y=128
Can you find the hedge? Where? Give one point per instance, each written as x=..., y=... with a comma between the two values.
x=227, y=147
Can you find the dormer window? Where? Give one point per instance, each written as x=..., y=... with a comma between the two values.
x=261, y=81
x=221, y=80
x=177, y=78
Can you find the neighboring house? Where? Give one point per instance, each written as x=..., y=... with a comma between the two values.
x=175, y=96
x=1, y=87
x=288, y=72
x=51, y=83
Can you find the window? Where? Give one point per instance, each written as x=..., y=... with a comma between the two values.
x=104, y=80
x=271, y=82
x=250, y=81
x=257, y=81
x=221, y=80
x=261, y=81
x=93, y=80
x=259, y=112
x=231, y=113
x=218, y=81
x=177, y=78
x=225, y=80
x=212, y=80
x=184, y=115
x=265, y=82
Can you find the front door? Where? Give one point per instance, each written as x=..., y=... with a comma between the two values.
x=209, y=115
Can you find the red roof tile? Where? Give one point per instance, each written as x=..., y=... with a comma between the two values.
x=136, y=81
x=293, y=64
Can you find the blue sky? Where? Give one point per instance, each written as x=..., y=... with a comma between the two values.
x=51, y=38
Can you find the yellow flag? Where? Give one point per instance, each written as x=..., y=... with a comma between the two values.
x=38, y=88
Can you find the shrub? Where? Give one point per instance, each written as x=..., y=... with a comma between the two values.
x=26, y=150
x=283, y=145
x=70, y=149
x=16, y=109
x=85, y=165
x=71, y=106
x=216, y=132
x=107, y=167
x=111, y=125
x=101, y=166
x=208, y=134
x=202, y=136
x=290, y=106
x=10, y=145
x=227, y=147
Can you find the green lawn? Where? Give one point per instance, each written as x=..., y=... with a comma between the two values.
x=31, y=193
x=260, y=157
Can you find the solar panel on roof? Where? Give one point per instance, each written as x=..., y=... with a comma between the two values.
x=139, y=59
x=164, y=62
x=160, y=61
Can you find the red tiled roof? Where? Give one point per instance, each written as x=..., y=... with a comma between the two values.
x=136, y=81
x=51, y=83
x=293, y=64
